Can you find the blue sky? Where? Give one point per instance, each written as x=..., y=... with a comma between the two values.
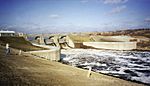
x=44, y=16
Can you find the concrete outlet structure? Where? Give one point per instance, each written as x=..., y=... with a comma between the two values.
x=101, y=42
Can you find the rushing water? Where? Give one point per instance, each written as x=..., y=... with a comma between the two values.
x=130, y=65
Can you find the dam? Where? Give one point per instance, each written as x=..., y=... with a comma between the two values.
x=98, y=42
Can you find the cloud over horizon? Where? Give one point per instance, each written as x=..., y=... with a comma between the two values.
x=147, y=19
x=117, y=10
x=54, y=16
x=114, y=1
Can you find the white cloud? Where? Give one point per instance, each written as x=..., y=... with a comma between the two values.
x=114, y=1
x=147, y=19
x=54, y=16
x=117, y=10
x=84, y=1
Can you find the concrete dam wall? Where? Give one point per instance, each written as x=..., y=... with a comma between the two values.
x=112, y=45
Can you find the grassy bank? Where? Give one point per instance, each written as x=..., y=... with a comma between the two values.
x=19, y=43
x=32, y=71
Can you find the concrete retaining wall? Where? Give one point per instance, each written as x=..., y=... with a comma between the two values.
x=112, y=45
x=52, y=54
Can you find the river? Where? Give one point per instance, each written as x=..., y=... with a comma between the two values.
x=129, y=65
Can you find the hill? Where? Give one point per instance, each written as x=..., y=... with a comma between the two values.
x=131, y=32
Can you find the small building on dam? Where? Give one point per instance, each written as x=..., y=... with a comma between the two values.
x=6, y=33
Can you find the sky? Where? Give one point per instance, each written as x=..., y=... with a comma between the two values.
x=48, y=16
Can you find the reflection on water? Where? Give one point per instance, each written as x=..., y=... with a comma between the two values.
x=131, y=65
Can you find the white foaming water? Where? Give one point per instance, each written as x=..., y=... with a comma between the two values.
x=130, y=65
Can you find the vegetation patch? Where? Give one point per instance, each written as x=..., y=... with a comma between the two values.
x=78, y=38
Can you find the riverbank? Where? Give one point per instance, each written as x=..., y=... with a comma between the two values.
x=29, y=70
